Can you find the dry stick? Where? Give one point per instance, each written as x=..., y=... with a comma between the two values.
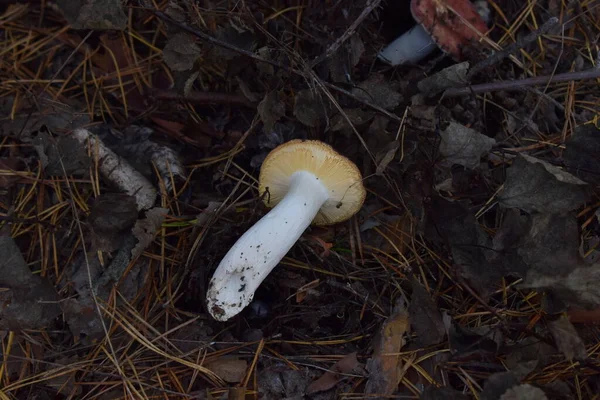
x=513, y=48
x=205, y=98
x=253, y=56
x=519, y=84
x=349, y=32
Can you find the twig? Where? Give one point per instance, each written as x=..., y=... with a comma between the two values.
x=519, y=84
x=205, y=98
x=513, y=48
x=253, y=56
x=349, y=32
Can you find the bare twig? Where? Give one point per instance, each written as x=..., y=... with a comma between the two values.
x=205, y=98
x=519, y=84
x=513, y=48
x=372, y=4
x=253, y=56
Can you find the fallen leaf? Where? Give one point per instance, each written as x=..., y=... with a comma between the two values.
x=524, y=392
x=453, y=224
x=240, y=38
x=378, y=90
x=310, y=108
x=567, y=339
x=83, y=320
x=578, y=288
x=528, y=355
x=230, y=369
x=345, y=59
x=425, y=318
x=442, y=393
x=536, y=186
x=385, y=366
x=551, y=244
x=181, y=52
x=357, y=117
x=271, y=109
x=282, y=382
x=29, y=301
x=483, y=340
x=145, y=229
x=582, y=153
x=497, y=384
x=53, y=152
x=463, y=146
x=112, y=216
x=94, y=14
x=450, y=77
x=386, y=156
x=329, y=379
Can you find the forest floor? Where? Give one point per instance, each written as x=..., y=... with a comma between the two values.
x=131, y=139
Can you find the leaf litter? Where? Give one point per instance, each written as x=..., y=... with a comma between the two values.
x=481, y=212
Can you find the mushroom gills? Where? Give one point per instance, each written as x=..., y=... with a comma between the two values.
x=260, y=249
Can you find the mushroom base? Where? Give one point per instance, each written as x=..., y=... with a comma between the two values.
x=260, y=249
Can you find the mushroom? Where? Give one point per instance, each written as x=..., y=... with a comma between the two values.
x=440, y=23
x=306, y=182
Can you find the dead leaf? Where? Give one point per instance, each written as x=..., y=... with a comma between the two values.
x=450, y=77
x=379, y=90
x=357, y=117
x=112, y=216
x=230, y=369
x=385, y=366
x=425, y=318
x=345, y=59
x=582, y=153
x=551, y=245
x=567, y=339
x=483, y=340
x=310, y=108
x=30, y=302
x=386, y=156
x=536, y=186
x=464, y=146
x=271, y=109
x=329, y=379
x=94, y=14
x=181, y=52
x=524, y=392
x=497, y=384
x=528, y=355
x=145, y=229
x=281, y=382
x=578, y=288
x=53, y=152
x=454, y=225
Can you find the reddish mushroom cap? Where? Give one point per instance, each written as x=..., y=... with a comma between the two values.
x=445, y=20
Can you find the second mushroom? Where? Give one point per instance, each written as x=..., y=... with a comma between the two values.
x=306, y=182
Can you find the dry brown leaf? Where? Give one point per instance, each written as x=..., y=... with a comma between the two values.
x=385, y=367
x=330, y=378
x=230, y=369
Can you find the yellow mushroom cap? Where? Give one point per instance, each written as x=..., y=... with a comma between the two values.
x=337, y=173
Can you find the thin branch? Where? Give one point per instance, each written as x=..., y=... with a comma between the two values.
x=349, y=32
x=519, y=84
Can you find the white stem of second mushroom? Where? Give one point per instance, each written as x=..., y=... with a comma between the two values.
x=410, y=48
x=262, y=247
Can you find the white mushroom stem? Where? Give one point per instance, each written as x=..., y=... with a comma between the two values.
x=409, y=48
x=258, y=251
